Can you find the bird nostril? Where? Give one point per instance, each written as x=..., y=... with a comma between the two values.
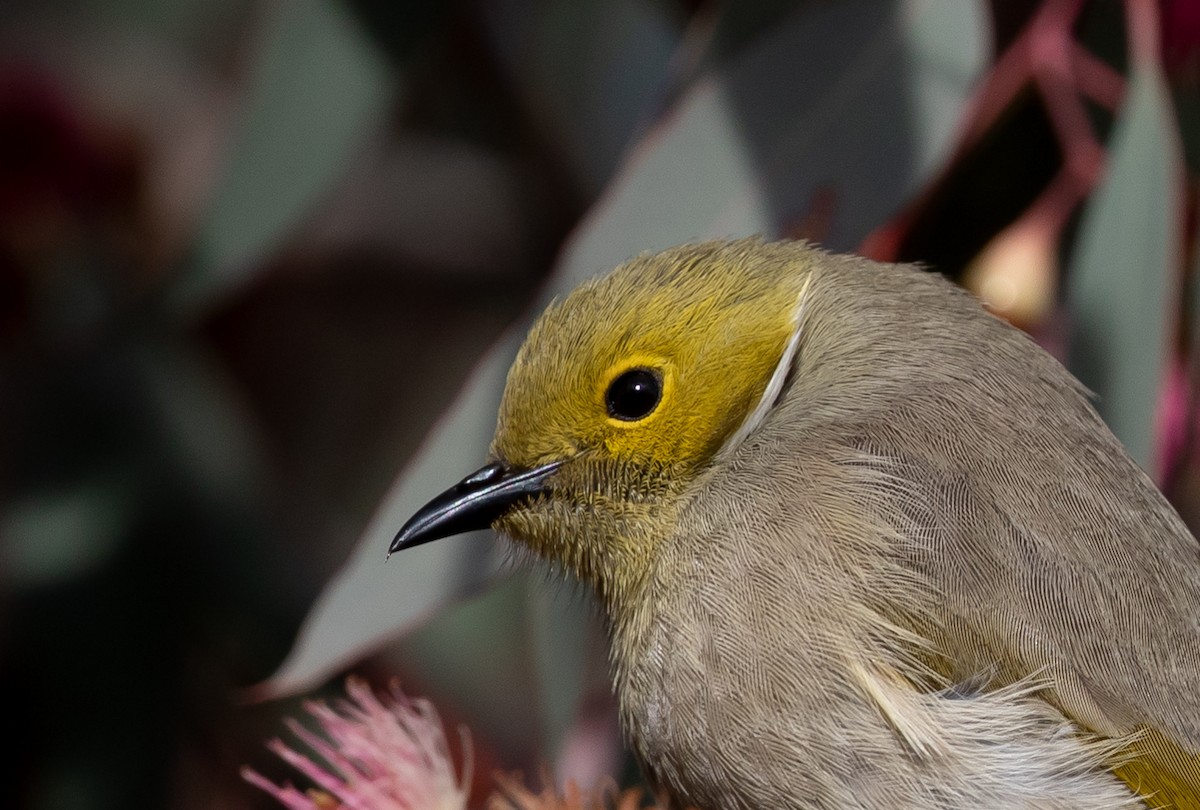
x=489, y=473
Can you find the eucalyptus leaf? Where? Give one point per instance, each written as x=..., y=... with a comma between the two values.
x=1119, y=283
x=589, y=71
x=319, y=87
x=207, y=28
x=477, y=659
x=367, y=602
x=51, y=537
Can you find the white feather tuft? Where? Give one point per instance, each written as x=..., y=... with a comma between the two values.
x=775, y=385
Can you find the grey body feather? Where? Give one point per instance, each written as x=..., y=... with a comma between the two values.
x=954, y=498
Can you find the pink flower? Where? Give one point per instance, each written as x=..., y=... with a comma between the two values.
x=378, y=755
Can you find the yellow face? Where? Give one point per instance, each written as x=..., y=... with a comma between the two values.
x=636, y=381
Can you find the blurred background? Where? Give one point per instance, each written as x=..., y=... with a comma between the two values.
x=258, y=258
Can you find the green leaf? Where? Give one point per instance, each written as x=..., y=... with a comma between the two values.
x=318, y=88
x=476, y=658
x=368, y=602
x=54, y=536
x=1120, y=284
x=589, y=71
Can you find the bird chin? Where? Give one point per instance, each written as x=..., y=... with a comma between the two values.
x=564, y=537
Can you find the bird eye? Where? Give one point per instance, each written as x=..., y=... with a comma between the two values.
x=633, y=395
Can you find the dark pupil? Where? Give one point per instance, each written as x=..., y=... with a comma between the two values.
x=633, y=395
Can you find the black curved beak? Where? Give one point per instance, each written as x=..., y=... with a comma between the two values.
x=473, y=503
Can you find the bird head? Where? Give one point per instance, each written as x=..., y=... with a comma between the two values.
x=623, y=395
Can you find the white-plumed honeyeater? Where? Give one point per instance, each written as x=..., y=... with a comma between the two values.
x=859, y=543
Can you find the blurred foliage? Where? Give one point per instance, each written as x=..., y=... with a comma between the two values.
x=251, y=251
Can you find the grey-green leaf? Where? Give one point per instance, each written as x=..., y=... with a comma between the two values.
x=1119, y=284
x=317, y=90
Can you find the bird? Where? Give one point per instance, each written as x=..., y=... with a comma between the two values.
x=857, y=542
